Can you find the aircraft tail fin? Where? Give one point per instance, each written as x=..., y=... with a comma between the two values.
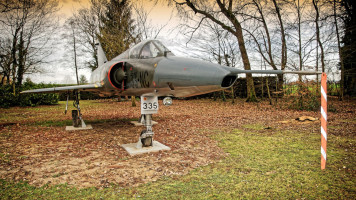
x=101, y=54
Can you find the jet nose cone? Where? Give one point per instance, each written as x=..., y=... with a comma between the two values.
x=119, y=75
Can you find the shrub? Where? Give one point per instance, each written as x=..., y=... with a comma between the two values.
x=306, y=99
x=9, y=99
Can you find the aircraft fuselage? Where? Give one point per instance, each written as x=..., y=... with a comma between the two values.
x=160, y=76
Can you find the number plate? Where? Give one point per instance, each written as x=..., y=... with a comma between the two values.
x=149, y=104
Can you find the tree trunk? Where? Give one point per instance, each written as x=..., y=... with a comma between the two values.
x=262, y=92
x=280, y=83
x=215, y=96
x=340, y=55
x=251, y=94
x=133, y=101
x=316, y=69
x=14, y=60
x=299, y=41
x=75, y=52
x=232, y=94
x=319, y=44
x=21, y=63
x=268, y=92
x=223, y=96
x=315, y=3
x=8, y=79
x=284, y=43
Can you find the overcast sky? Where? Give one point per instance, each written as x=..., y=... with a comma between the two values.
x=61, y=68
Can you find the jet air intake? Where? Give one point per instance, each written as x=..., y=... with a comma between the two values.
x=117, y=75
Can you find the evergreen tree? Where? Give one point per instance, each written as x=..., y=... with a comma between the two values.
x=348, y=50
x=83, y=80
x=117, y=31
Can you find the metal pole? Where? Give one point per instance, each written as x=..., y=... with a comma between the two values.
x=323, y=120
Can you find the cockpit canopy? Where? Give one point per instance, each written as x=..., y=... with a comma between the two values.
x=144, y=50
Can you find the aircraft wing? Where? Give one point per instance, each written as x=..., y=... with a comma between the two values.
x=89, y=87
x=240, y=71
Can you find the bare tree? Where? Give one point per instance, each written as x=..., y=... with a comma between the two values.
x=88, y=23
x=317, y=28
x=29, y=28
x=9, y=5
x=225, y=14
x=284, y=57
x=71, y=35
x=5, y=61
x=214, y=44
x=144, y=27
x=299, y=8
x=301, y=35
x=262, y=13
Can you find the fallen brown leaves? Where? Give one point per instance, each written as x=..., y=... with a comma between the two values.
x=50, y=155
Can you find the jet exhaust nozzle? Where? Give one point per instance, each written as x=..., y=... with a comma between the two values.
x=228, y=81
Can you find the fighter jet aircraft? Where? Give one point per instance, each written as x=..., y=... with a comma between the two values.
x=151, y=70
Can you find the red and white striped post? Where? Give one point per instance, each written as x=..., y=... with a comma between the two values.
x=323, y=120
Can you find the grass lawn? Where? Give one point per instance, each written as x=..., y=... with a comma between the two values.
x=279, y=166
x=260, y=163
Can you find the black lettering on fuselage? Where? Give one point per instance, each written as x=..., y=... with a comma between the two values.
x=143, y=79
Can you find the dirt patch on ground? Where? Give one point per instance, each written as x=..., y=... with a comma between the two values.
x=43, y=155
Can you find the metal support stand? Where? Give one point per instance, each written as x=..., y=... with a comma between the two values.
x=65, y=111
x=141, y=121
x=76, y=114
x=146, y=135
x=145, y=144
x=77, y=118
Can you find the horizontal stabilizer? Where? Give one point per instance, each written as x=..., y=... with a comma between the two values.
x=90, y=87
